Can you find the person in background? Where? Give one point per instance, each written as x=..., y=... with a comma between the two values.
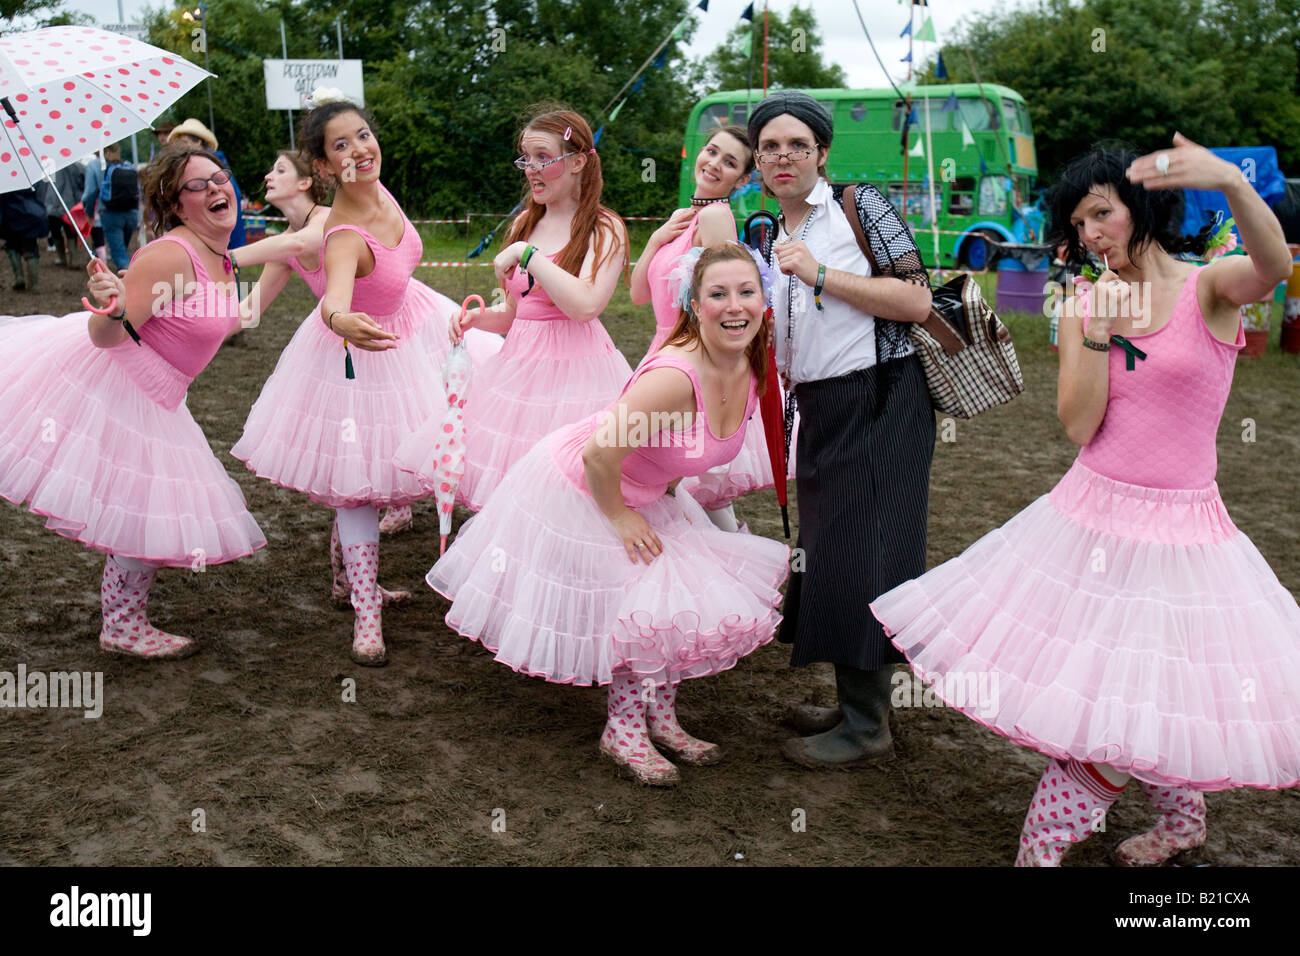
x=161, y=132
x=119, y=205
x=194, y=132
x=68, y=183
x=22, y=226
x=94, y=178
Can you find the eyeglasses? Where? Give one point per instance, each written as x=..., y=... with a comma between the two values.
x=794, y=155
x=219, y=178
x=523, y=164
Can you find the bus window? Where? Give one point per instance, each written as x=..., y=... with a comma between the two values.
x=1012, y=115
x=858, y=112
x=714, y=117
x=993, y=195
x=962, y=199
x=977, y=114
x=740, y=115
x=1025, y=126
x=939, y=121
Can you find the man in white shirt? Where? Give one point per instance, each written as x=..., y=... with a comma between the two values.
x=866, y=432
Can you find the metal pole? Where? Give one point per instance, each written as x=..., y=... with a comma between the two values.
x=338, y=26
x=212, y=123
x=284, y=52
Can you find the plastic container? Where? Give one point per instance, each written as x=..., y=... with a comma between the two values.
x=1291, y=308
x=1021, y=291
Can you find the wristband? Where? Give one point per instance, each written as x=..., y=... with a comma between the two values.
x=1095, y=346
x=817, y=289
x=331, y=320
x=526, y=257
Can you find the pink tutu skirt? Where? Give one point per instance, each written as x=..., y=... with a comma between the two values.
x=82, y=445
x=547, y=375
x=540, y=579
x=333, y=438
x=1120, y=624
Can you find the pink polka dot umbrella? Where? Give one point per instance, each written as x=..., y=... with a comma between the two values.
x=67, y=91
x=449, y=445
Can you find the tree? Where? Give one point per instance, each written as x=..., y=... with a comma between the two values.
x=793, y=52
x=1136, y=70
x=447, y=82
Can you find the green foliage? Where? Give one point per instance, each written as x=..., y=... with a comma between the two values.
x=1222, y=74
x=448, y=82
x=794, y=58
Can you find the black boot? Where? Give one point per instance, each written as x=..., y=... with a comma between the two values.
x=811, y=719
x=863, y=733
x=32, y=272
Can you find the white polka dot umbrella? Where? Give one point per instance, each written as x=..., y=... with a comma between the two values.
x=448, y=454
x=67, y=91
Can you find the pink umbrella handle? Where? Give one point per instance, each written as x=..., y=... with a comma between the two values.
x=112, y=303
x=464, y=306
x=442, y=545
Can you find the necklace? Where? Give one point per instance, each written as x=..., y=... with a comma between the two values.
x=789, y=310
x=225, y=256
x=791, y=232
x=306, y=219
x=695, y=201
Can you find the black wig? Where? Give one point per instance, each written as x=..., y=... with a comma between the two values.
x=1156, y=214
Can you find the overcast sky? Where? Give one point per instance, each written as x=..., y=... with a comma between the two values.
x=842, y=35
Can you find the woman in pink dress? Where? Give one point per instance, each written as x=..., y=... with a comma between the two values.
x=721, y=166
x=94, y=432
x=560, y=266
x=1122, y=625
x=583, y=570
x=360, y=373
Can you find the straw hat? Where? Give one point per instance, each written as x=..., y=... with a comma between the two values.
x=192, y=127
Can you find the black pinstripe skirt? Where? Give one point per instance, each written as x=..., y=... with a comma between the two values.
x=862, y=465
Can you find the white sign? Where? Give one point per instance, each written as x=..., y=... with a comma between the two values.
x=135, y=31
x=290, y=82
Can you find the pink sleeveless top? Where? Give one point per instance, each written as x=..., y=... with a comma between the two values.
x=179, y=342
x=672, y=454
x=315, y=279
x=1162, y=417
x=381, y=293
x=663, y=294
x=536, y=306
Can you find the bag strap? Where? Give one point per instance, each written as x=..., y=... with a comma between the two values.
x=934, y=323
x=849, y=201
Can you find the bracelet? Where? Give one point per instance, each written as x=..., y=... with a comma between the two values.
x=1095, y=346
x=118, y=318
x=817, y=289
x=526, y=257
x=331, y=320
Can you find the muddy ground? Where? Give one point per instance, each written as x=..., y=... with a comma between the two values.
x=254, y=733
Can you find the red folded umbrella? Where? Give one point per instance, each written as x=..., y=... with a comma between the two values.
x=773, y=413
x=758, y=228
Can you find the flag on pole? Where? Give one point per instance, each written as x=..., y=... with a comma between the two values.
x=950, y=104
x=748, y=14
x=614, y=115
x=906, y=30
x=966, y=138
x=906, y=59
x=927, y=31
x=703, y=5
x=918, y=149
x=940, y=71
x=912, y=117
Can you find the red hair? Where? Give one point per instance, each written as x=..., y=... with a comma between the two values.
x=591, y=218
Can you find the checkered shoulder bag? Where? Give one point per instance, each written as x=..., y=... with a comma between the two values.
x=970, y=364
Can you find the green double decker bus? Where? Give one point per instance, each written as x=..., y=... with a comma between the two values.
x=980, y=142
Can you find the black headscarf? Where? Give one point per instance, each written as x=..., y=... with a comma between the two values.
x=799, y=105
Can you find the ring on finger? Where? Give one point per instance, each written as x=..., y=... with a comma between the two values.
x=1162, y=164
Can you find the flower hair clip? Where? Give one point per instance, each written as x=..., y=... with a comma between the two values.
x=1223, y=240
x=325, y=94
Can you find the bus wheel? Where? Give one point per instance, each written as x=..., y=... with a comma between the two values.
x=976, y=251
